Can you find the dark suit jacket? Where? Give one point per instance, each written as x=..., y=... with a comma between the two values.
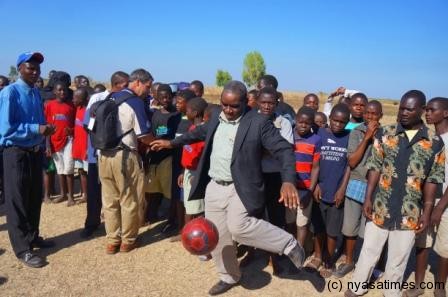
x=255, y=134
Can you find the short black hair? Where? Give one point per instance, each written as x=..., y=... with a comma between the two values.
x=198, y=84
x=51, y=73
x=344, y=100
x=60, y=76
x=198, y=104
x=308, y=111
x=253, y=92
x=186, y=94
x=140, y=75
x=320, y=113
x=118, y=77
x=164, y=88
x=155, y=85
x=310, y=95
x=375, y=103
x=99, y=88
x=83, y=92
x=270, y=80
x=416, y=94
x=60, y=83
x=441, y=100
x=268, y=91
x=359, y=95
x=236, y=87
x=4, y=79
x=342, y=108
x=84, y=77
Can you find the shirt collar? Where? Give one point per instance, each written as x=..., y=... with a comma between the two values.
x=222, y=118
x=422, y=131
x=362, y=127
x=298, y=137
x=129, y=91
x=23, y=84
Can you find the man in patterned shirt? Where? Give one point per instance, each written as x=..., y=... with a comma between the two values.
x=405, y=167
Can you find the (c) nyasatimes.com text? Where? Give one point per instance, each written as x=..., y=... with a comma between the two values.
x=337, y=286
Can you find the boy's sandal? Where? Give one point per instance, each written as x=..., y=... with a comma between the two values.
x=326, y=272
x=343, y=270
x=342, y=259
x=315, y=263
x=59, y=199
x=413, y=292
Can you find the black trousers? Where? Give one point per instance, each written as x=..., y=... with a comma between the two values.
x=276, y=210
x=94, y=204
x=2, y=192
x=23, y=194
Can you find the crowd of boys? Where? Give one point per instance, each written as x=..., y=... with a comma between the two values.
x=267, y=176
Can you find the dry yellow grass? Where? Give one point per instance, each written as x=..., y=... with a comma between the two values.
x=157, y=268
x=295, y=99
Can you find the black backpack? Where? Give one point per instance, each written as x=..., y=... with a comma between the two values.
x=104, y=135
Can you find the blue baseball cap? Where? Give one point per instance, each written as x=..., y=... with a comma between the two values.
x=25, y=57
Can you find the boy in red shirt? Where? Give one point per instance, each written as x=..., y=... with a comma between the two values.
x=190, y=159
x=61, y=114
x=79, y=150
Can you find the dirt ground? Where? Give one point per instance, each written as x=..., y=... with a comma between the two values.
x=158, y=268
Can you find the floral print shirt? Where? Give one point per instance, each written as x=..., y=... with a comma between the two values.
x=405, y=165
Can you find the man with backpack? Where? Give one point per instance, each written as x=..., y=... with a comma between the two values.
x=118, y=124
x=118, y=81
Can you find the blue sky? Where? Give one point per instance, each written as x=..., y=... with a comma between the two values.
x=383, y=48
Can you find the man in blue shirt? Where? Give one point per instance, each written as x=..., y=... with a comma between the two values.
x=22, y=132
x=4, y=81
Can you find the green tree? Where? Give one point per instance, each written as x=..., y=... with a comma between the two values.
x=254, y=68
x=13, y=74
x=222, y=77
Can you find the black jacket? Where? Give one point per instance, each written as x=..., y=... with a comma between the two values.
x=255, y=134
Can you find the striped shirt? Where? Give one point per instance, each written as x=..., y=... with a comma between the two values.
x=307, y=150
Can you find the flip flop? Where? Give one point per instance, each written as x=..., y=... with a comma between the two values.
x=343, y=270
x=413, y=292
x=315, y=263
x=326, y=271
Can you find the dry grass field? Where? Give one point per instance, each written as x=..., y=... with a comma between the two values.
x=157, y=268
x=295, y=99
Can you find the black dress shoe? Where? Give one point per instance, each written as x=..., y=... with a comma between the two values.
x=87, y=232
x=31, y=260
x=42, y=243
x=220, y=287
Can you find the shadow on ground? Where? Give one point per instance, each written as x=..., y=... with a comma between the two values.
x=154, y=234
x=70, y=239
x=254, y=276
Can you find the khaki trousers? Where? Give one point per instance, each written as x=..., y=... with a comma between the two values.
x=122, y=180
x=224, y=208
x=400, y=244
